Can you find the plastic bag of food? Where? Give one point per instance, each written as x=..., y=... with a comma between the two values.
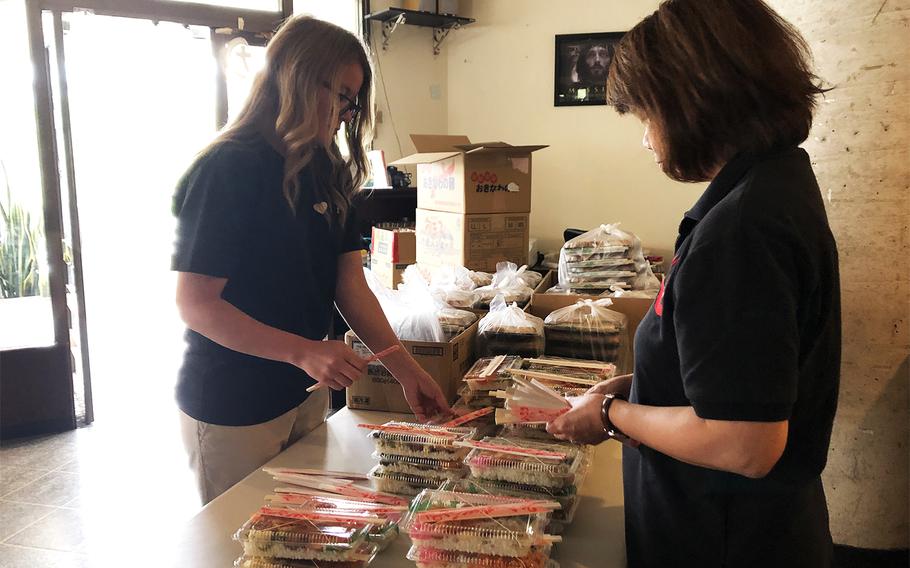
x=508, y=282
x=588, y=330
x=411, y=310
x=604, y=259
x=451, y=285
x=509, y=330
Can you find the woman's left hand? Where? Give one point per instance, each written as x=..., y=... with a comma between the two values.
x=582, y=424
x=426, y=398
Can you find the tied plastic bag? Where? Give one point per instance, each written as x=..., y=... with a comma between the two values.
x=604, y=259
x=411, y=310
x=588, y=330
x=450, y=285
x=509, y=330
x=509, y=282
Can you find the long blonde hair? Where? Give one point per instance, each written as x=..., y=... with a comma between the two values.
x=305, y=56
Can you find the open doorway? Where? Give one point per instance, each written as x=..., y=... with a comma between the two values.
x=142, y=103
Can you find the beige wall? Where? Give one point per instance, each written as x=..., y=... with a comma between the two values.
x=416, y=84
x=499, y=76
x=595, y=171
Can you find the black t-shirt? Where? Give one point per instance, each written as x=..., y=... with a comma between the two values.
x=281, y=269
x=746, y=327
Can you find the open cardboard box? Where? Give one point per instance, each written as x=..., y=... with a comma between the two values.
x=457, y=176
x=445, y=362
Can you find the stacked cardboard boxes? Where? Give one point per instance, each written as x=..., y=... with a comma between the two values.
x=473, y=201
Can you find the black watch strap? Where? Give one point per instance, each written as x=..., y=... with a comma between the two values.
x=611, y=430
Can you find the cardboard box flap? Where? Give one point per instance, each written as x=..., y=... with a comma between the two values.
x=423, y=158
x=468, y=147
x=504, y=150
x=438, y=142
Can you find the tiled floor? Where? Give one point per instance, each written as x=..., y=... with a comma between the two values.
x=91, y=497
x=81, y=498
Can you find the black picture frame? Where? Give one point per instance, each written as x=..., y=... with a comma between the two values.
x=575, y=82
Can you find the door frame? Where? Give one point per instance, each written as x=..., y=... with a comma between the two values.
x=25, y=387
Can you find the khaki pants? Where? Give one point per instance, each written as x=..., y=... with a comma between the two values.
x=223, y=455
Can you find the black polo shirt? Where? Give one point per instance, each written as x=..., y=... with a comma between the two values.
x=746, y=327
x=281, y=268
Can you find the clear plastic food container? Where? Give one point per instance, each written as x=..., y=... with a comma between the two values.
x=267, y=562
x=504, y=533
x=422, y=440
x=427, y=557
x=280, y=535
x=422, y=467
x=491, y=373
x=567, y=497
x=402, y=483
x=476, y=399
x=556, y=468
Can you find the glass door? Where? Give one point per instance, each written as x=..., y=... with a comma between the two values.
x=141, y=100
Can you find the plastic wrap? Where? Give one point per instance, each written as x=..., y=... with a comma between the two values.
x=586, y=330
x=590, y=372
x=411, y=310
x=510, y=282
x=422, y=440
x=605, y=259
x=545, y=465
x=422, y=467
x=481, y=278
x=401, y=483
x=567, y=496
x=281, y=533
x=478, y=523
x=530, y=277
x=454, y=321
x=491, y=373
x=476, y=400
x=427, y=557
x=266, y=562
x=509, y=330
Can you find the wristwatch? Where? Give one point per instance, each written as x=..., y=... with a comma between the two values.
x=609, y=429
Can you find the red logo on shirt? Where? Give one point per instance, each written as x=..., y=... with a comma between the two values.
x=659, y=301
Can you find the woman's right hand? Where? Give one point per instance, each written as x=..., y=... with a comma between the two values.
x=331, y=363
x=617, y=385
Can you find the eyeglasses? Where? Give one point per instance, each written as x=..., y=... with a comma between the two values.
x=348, y=105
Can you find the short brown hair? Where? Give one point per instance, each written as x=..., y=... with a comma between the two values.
x=715, y=77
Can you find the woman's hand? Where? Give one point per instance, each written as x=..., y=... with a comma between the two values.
x=617, y=385
x=331, y=363
x=582, y=424
x=425, y=397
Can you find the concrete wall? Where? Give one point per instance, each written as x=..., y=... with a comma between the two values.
x=497, y=83
x=860, y=146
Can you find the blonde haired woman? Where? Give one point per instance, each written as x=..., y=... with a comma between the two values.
x=264, y=248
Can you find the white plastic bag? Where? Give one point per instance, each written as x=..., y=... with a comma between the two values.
x=604, y=259
x=587, y=330
x=508, y=282
x=411, y=310
x=509, y=330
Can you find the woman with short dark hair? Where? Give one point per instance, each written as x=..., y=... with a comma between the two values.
x=732, y=400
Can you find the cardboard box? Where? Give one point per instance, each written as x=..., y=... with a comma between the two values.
x=477, y=242
x=397, y=246
x=445, y=362
x=387, y=272
x=459, y=177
